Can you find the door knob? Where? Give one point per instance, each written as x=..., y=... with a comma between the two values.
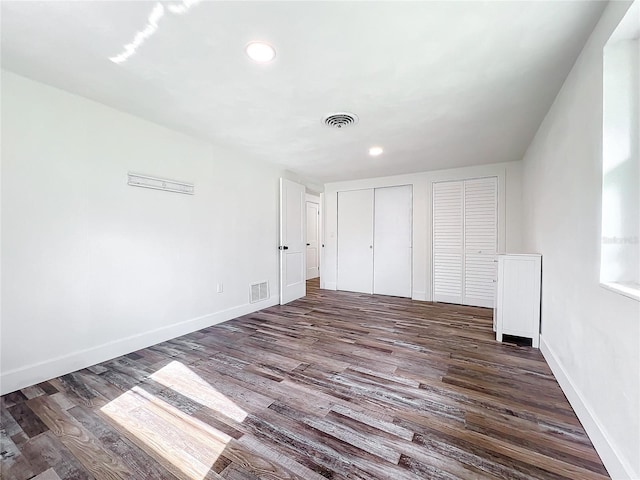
x=308, y=244
x=370, y=246
x=283, y=247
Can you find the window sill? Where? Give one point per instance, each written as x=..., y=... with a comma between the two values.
x=631, y=290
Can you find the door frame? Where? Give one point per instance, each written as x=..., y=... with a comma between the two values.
x=309, y=198
x=322, y=240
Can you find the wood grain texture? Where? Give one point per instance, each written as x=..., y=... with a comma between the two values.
x=335, y=385
x=79, y=441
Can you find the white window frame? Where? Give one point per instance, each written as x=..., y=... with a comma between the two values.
x=628, y=30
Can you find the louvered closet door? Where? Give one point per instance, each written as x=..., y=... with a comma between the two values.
x=480, y=241
x=448, y=242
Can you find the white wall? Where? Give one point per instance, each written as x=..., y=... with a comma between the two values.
x=590, y=335
x=509, y=222
x=93, y=268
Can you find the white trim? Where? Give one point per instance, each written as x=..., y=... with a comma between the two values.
x=322, y=242
x=316, y=201
x=418, y=295
x=39, y=372
x=631, y=291
x=616, y=465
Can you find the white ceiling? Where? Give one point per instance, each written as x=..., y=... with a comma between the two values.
x=437, y=84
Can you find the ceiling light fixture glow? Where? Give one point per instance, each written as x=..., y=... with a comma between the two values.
x=260, y=52
x=375, y=151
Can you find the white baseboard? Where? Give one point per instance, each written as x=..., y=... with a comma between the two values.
x=615, y=463
x=39, y=372
x=417, y=295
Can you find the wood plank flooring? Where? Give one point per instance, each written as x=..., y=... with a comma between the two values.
x=336, y=385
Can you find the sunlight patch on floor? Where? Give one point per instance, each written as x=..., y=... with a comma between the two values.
x=186, y=446
x=183, y=380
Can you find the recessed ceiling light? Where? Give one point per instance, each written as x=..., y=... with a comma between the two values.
x=375, y=151
x=260, y=52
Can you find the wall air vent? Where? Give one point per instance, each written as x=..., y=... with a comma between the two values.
x=156, y=183
x=340, y=119
x=258, y=292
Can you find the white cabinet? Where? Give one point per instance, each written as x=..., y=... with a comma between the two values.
x=518, y=296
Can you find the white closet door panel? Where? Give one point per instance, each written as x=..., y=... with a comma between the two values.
x=355, y=241
x=480, y=237
x=448, y=242
x=392, y=241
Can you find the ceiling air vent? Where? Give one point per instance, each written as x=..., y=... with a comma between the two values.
x=340, y=120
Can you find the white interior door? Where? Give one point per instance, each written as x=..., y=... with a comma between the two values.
x=313, y=240
x=392, y=250
x=480, y=241
x=355, y=241
x=448, y=242
x=292, y=241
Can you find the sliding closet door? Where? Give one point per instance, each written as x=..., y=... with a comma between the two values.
x=355, y=241
x=465, y=234
x=448, y=241
x=480, y=241
x=392, y=241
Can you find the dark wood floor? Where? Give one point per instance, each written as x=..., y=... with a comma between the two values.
x=336, y=385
